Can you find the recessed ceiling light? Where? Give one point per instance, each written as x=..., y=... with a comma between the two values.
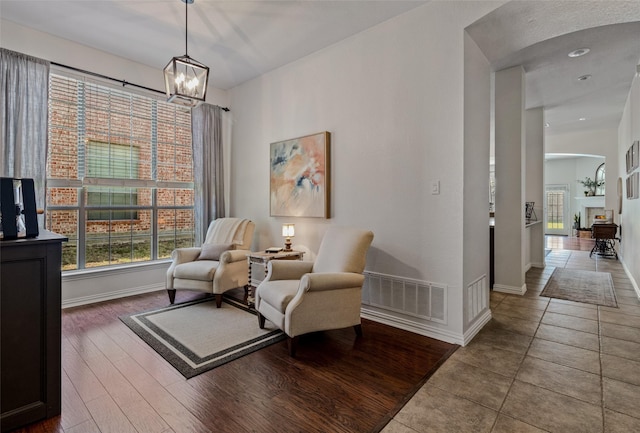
x=584, y=77
x=579, y=52
x=582, y=118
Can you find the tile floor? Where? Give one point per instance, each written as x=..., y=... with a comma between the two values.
x=540, y=365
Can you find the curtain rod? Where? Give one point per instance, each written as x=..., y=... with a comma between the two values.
x=123, y=82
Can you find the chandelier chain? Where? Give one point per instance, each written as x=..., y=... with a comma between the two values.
x=186, y=28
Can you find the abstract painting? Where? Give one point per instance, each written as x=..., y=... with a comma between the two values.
x=299, y=176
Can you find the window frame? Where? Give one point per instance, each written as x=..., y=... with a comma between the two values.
x=91, y=162
x=599, y=190
x=83, y=184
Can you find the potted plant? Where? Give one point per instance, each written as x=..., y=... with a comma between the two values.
x=576, y=221
x=584, y=232
x=590, y=185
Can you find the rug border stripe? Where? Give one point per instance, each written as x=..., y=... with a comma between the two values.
x=142, y=320
x=181, y=358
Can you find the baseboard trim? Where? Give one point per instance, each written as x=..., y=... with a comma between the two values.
x=538, y=265
x=111, y=271
x=84, y=300
x=513, y=290
x=634, y=283
x=411, y=326
x=477, y=326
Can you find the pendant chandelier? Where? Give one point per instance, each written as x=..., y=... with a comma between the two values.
x=185, y=79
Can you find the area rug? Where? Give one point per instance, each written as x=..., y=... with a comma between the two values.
x=581, y=286
x=196, y=336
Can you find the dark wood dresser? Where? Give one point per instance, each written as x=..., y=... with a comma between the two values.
x=30, y=329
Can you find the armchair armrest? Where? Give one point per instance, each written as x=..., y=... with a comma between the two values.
x=231, y=256
x=287, y=269
x=184, y=255
x=330, y=281
x=178, y=256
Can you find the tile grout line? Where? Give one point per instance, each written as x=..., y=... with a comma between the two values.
x=598, y=265
x=601, y=369
x=518, y=371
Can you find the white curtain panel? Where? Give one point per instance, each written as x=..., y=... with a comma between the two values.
x=208, y=171
x=24, y=98
x=227, y=128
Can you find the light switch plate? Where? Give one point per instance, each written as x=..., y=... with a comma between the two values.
x=435, y=187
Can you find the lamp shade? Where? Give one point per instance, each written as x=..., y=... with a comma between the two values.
x=288, y=230
x=185, y=81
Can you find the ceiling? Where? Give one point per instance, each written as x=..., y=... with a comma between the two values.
x=539, y=35
x=240, y=40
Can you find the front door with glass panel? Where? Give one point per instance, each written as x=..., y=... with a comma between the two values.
x=557, y=210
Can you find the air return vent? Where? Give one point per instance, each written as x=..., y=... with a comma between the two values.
x=416, y=298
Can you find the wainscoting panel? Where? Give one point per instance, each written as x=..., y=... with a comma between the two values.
x=101, y=284
x=477, y=298
x=421, y=299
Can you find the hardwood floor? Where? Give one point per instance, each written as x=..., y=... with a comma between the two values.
x=114, y=382
x=571, y=243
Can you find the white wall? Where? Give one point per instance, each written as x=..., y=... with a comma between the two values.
x=629, y=131
x=567, y=171
x=510, y=136
x=535, y=158
x=393, y=99
x=597, y=143
x=477, y=105
x=534, y=185
x=562, y=171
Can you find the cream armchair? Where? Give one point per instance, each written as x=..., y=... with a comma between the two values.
x=301, y=297
x=219, y=265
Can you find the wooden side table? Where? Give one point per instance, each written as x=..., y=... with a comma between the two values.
x=262, y=258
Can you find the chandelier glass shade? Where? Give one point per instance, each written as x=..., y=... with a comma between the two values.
x=186, y=79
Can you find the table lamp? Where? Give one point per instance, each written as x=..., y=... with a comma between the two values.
x=288, y=231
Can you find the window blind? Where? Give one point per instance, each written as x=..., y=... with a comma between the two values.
x=119, y=172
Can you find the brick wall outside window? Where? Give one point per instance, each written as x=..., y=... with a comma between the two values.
x=99, y=137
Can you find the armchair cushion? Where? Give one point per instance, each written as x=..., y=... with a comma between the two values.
x=279, y=293
x=213, y=251
x=202, y=270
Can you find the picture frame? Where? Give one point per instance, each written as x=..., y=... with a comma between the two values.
x=299, y=176
x=633, y=157
x=529, y=212
x=620, y=193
